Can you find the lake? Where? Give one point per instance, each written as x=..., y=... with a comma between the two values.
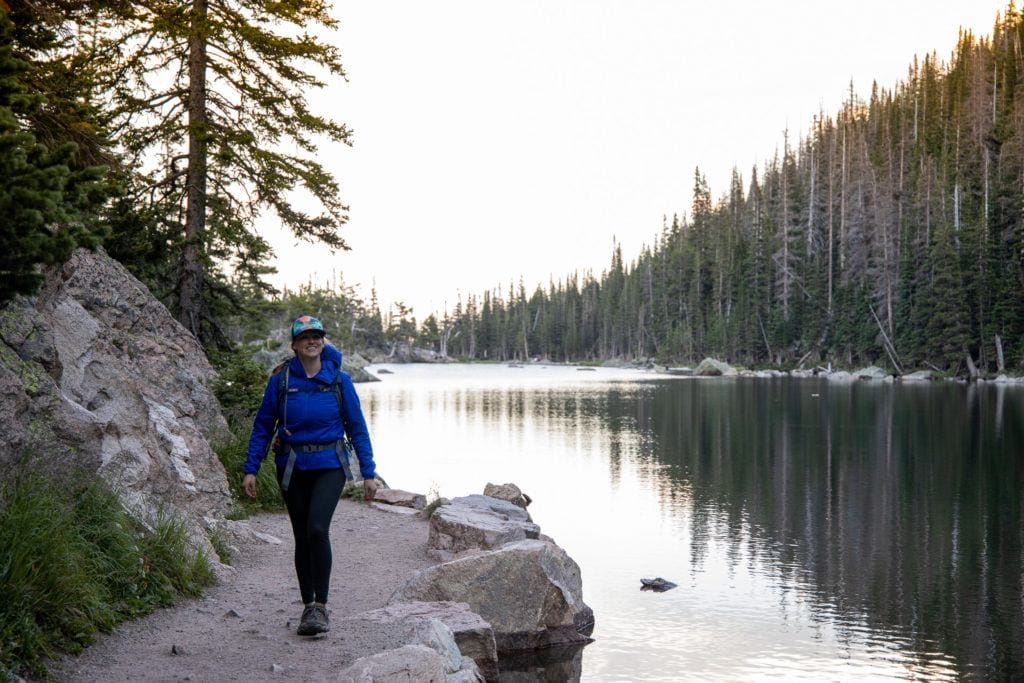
x=817, y=530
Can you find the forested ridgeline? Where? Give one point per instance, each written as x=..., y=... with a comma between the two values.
x=891, y=233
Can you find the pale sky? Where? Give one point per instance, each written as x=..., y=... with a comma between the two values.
x=494, y=141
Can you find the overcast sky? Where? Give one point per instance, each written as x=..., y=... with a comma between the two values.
x=522, y=138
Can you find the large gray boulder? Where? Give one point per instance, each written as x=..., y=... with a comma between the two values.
x=377, y=631
x=872, y=372
x=472, y=634
x=920, y=376
x=96, y=374
x=709, y=367
x=530, y=592
x=477, y=522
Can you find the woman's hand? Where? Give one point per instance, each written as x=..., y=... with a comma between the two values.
x=369, y=489
x=249, y=484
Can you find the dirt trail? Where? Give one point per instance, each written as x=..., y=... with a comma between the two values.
x=243, y=628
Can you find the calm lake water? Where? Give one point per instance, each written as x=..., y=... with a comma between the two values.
x=817, y=531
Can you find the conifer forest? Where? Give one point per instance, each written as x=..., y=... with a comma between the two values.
x=892, y=233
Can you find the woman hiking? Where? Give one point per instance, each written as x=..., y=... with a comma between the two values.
x=308, y=408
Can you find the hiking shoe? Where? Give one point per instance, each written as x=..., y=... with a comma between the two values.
x=314, y=620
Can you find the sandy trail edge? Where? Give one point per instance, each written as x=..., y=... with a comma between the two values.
x=375, y=552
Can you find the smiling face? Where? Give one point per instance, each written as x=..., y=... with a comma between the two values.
x=308, y=345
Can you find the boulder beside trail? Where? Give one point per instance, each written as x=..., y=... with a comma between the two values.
x=372, y=632
x=530, y=592
x=406, y=663
x=472, y=634
x=477, y=522
x=95, y=373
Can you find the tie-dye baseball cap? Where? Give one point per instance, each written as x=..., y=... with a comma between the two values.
x=304, y=323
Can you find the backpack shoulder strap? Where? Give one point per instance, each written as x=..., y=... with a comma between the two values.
x=282, y=398
x=336, y=386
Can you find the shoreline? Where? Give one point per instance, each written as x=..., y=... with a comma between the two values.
x=868, y=374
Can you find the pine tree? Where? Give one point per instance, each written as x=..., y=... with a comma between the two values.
x=45, y=204
x=210, y=105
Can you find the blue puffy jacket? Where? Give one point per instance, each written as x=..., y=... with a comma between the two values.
x=313, y=418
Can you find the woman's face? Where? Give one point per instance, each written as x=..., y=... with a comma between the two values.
x=308, y=345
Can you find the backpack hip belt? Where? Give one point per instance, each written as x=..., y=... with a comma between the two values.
x=340, y=447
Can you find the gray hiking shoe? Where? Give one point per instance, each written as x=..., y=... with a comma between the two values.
x=314, y=620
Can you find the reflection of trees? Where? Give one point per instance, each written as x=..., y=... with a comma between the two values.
x=900, y=505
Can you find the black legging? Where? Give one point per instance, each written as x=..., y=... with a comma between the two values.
x=311, y=499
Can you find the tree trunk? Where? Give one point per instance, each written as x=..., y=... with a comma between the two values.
x=190, y=276
x=972, y=369
x=1000, y=361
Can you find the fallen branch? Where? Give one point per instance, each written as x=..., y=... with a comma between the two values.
x=889, y=348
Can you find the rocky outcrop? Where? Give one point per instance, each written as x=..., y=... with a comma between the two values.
x=477, y=522
x=355, y=366
x=405, y=353
x=709, y=367
x=96, y=374
x=530, y=592
x=351, y=362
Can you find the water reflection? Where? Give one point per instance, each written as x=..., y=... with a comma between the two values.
x=816, y=530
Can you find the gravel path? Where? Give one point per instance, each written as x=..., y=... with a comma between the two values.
x=243, y=628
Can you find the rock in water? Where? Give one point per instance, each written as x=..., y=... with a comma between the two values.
x=709, y=367
x=659, y=585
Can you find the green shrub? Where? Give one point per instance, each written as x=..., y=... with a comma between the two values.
x=72, y=562
x=239, y=386
x=232, y=456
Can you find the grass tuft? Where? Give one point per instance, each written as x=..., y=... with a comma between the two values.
x=232, y=456
x=220, y=545
x=72, y=563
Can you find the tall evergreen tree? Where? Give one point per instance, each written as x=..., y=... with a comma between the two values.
x=45, y=201
x=210, y=103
